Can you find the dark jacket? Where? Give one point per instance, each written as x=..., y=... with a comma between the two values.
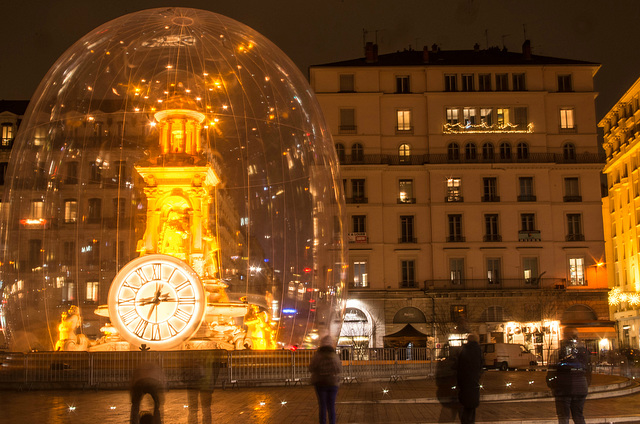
x=326, y=367
x=571, y=374
x=470, y=362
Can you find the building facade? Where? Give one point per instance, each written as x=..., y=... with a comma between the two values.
x=621, y=213
x=472, y=181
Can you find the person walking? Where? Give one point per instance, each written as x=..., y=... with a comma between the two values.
x=470, y=362
x=326, y=374
x=569, y=378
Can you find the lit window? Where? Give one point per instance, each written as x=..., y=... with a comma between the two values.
x=567, y=118
x=530, y=270
x=453, y=116
x=502, y=115
x=92, y=291
x=486, y=116
x=39, y=136
x=37, y=209
x=70, y=211
x=69, y=292
x=404, y=152
x=454, y=189
x=469, y=116
x=456, y=270
x=7, y=134
x=576, y=272
x=360, y=275
x=403, y=120
x=406, y=191
x=458, y=312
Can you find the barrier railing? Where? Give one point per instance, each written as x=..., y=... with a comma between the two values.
x=183, y=369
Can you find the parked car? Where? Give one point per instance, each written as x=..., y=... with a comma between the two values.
x=507, y=355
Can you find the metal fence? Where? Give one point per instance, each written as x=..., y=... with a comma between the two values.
x=183, y=368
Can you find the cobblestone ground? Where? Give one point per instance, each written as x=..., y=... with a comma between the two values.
x=371, y=402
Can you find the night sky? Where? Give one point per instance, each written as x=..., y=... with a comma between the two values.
x=35, y=33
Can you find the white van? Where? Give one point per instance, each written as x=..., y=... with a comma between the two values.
x=507, y=355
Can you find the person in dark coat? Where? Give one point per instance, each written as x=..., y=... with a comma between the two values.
x=446, y=382
x=326, y=375
x=569, y=378
x=147, y=378
x=470, y=362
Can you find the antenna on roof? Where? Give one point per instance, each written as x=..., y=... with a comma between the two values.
x=364, y=38
x=486, y=38
x=524, y=30
x=503, y=37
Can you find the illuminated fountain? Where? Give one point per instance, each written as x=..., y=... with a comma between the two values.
x=171, y=182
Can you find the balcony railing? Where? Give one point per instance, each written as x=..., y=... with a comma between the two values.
x=572, y=199
x=404, y=130
x=533, y=235
x=406, y=200
x=526, y=198
x=347, y=129
x=455, y=239
x=494, y=284
x=407, y=239
x=454, y=199
x=443, y=158
x=357, y=200
x=490, y=198
x=491, y=237
x=574, y=237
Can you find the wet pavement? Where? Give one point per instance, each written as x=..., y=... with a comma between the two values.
x=404, y=401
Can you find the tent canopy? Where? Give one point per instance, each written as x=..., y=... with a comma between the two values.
x=408, y=334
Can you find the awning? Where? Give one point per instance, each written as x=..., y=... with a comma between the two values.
x=599, y=332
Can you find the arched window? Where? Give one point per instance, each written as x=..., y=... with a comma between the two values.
x=569, y=151
x=404, y=153
x=579, y=313
x=523, y=150
x=493, y=314
x=505, y=150
x=487, y=151
x=453, y=151
x=340, y=152
x=470, y=151
x=357, y=152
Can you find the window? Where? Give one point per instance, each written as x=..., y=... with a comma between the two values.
x=404, y=153
x=347, y=83
x=569, y=151
x=564, y=83
x=455, y=228
x=490, y=189
x=505, y=151
x=520, y=118
x=491, y=228
x=92, y=250
x=347, y=121
x=528, y=221
x=95, y=172
x=486, y=116
x=567, y=121
x=522, y=150
x=450, y=82
x=36, y=209
x=69, y=253
x=340, y=152
x=453, y=116
x=408, y=269
x=39, y=136
x=487, y=151
x=484, y=82
x=92, y=291
x=502, y=82
x=357, y=152
x=493, y=314
x=3, y=171
x=518, y=82
x=453, y=151
x=360, y=275
x=458, y=313
x=359, y=223
x=572, y=190
x=119, y=208
x=69, y=292
x=402, y=84
x=467, y=82
x=405, y=191
x=493, y=270
x=502, y=117
x=454, y=190
x=574, y=227
x=95, y=211
x=7, y=134
x=406, y=229
x=456, y=270
x=530, y=270
x=576, y=272
x=35, y=253
x=358, y=191
x=469, y=116
x=470, y=152
x=526, y=190
x=72, y=173
x=70, y=211
x=403, y=120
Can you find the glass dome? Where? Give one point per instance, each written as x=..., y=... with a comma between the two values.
x=182, y=133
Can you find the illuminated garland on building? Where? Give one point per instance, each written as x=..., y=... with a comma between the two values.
x=484, y=128
x=616, y=296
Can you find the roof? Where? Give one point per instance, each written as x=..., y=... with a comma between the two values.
x=491, y=56
x=17, y=107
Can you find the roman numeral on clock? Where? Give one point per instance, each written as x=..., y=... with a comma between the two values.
x=155, y=332
x=157, y=272
x=183, y=286
x=142, y=325
x=172, y=329
x=187, y=300
x=129, y=316
x=142, y=275
x=182, y=315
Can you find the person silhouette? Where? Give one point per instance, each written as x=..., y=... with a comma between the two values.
x=446, y=388
x=148, y=378
x=470, y=362
x=326, y=374
x=569, y=378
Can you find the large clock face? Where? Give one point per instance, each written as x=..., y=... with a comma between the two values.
x=157, y=300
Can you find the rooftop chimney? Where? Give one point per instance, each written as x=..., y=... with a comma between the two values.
x=370, y=52
x=476, y=47
x=425, y=54
x=434, y=48
x=526, y=50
